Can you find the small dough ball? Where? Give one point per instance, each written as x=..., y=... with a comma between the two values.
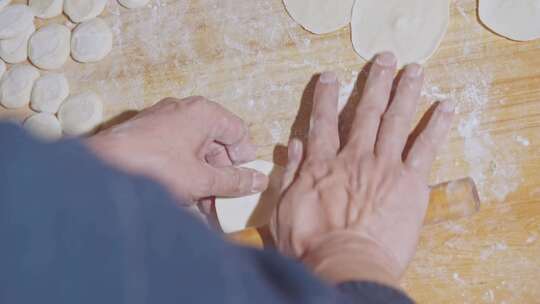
x=14, y=20
x=48, y=48
x=516, y=20
x=15, y=50
x=91, y=41
x=133, y=3
x=46, y=8
x=2, y=68
x=16, y=86
x=81, y=114
x=83, y=10
x=255, y=210
x=320, y=16
x=49, y=92
x=44, y=126
x=4, y=3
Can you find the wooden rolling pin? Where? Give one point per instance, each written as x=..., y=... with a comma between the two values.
x=447, y=201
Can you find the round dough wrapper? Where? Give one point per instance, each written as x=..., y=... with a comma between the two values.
x=4, y=3
x=236, y=214
x=46, y=8
x=44, y=126
x=49, y=47
x=49, y=92
x=91, y=41
x=133, y=3
x=320, y=16
x=516, y=20
x=16, y=86
x=14, y=20
x=2, y=68
x=412, y=29
x=81, y=114
x=83, y=10
x=15, y=50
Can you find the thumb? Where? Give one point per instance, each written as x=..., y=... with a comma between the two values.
x=235, y=182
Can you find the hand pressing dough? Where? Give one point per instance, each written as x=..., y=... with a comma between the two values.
x=15, y=50
x=14, y=20
x=517, y=20
x=81, y=114
x=49, y=92
x=2, y=68
x=91, y=41
x=16, y=86
x=48, y=48
x=46, y=8
x=4, y=3
x=320, y=16
x=44, y=126
x=235, y=214
x=83, y=10
x=133, y=3
x=411, y=29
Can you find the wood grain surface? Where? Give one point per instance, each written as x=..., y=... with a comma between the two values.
x=252, y=58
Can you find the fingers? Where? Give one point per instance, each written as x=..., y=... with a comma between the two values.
x=372, y=105
x=323, y=141
x=217, y=156
x=233, y=182
x=396, y=122
x=295, y=154
x=424, y=148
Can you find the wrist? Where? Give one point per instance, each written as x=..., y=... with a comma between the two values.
x=345, y=256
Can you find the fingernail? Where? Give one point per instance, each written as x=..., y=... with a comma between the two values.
x=260, y=182
x=328, y=77
x=386, y=59
x=413, y=70
x=446, y=107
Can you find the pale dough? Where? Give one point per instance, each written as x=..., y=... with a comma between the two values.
x=16, y=86
x=49, y=47
x=49, y=92
x=4, y=3
x=517, y=20
x=2, y=68
x=320, y=16
x=91, y=41
x=411, y=29
x=133, y=3
x=81, y=114
x=46, y=8
x=235, y=214
x=83, y=10
x=15, y=50
x=14, y=20
x=44, y=126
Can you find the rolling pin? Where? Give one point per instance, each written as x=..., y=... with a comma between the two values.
x=447, y=201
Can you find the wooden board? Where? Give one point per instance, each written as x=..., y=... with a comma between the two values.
x=252, y=58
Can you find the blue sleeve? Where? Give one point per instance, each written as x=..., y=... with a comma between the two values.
x=73, y=230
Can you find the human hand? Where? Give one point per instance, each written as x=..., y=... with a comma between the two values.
x=355, y=213
x=188, y=145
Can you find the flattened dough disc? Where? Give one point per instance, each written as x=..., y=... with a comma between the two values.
x=235, y=214
x=517, y=20
x=320, y=16
x=411, y=29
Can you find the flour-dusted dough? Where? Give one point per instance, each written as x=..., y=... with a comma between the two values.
x=235, y=214
x=4, y=3
x=411, y=29
x=16, y=86
x=516, y=20
x=49, y=92
x=44, y=126
x=46, y=8
x=14, y=20
x=320, y=16
x=2, y=68
x=133, y=3
x=83, y=10
x=91, y=41
x=15, y=50
x=81, y=114
x=49, y=47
